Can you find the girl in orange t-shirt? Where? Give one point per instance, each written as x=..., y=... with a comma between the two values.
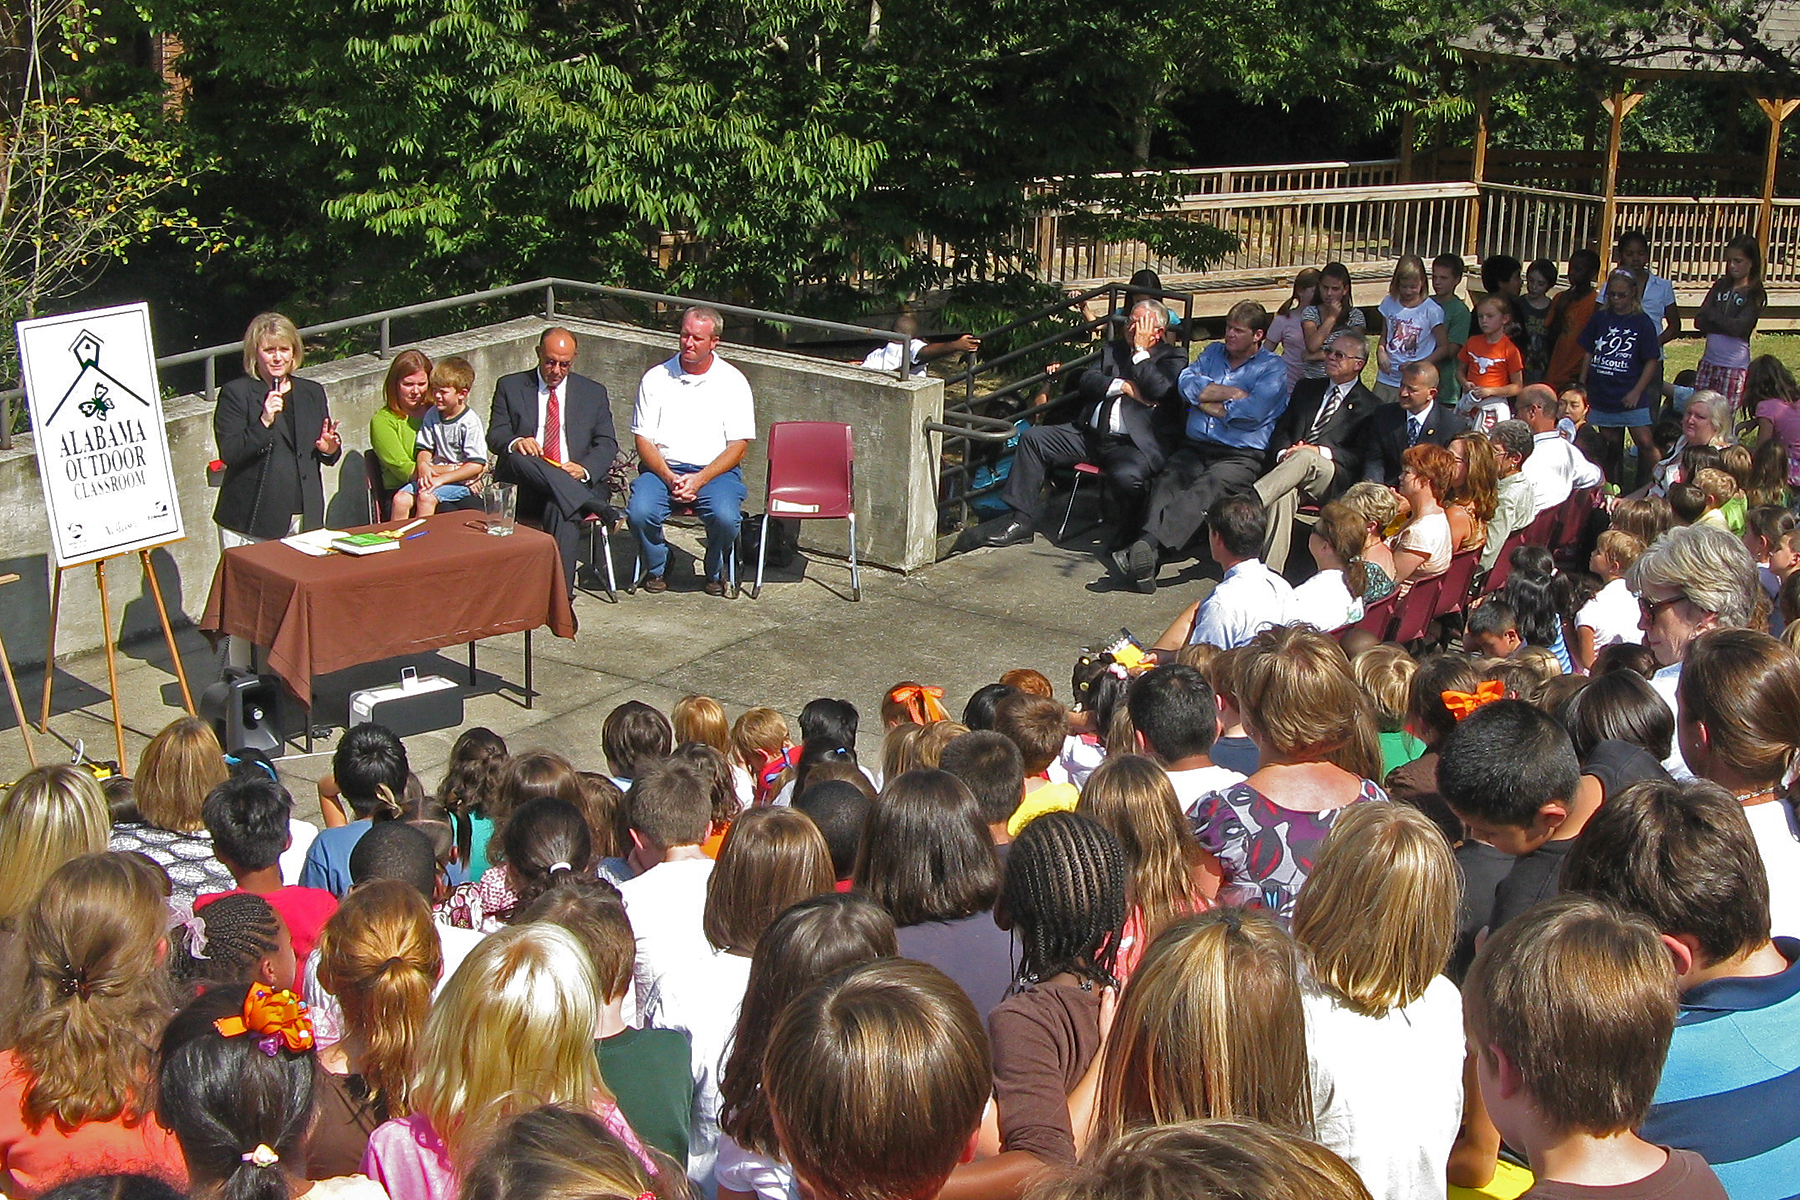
x=75, y=1088
x=1491, y=367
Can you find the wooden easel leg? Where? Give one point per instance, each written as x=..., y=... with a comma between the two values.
x=112, y=663
x=12, y=690
x=50, y=649
x=187, y=697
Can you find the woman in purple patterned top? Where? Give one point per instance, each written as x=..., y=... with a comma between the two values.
x=1320, y=754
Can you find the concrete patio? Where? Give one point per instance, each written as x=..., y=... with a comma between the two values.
x=957, y=624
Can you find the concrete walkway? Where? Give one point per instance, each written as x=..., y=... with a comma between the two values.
x=958, y=624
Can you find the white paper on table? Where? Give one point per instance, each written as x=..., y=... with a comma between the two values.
x=316, y=542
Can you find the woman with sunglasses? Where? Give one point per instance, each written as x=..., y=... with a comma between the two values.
x=1693, y=580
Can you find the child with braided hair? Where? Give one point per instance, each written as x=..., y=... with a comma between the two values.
x=1064, y=899
x=241, y=939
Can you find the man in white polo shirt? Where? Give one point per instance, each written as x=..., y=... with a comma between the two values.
x=694, y=419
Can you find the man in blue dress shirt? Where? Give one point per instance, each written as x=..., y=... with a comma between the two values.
x=1235, y=392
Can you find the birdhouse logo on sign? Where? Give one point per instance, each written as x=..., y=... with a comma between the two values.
x=102, y=448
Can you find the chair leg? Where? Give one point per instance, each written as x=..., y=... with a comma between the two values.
x=855, y=578
x=1073, y=492
x=731, y=566
x=762, y=550
x=612, y=583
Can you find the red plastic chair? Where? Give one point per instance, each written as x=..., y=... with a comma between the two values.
x=812, y=477
x=1572, y=523
x=1081, y=468
x=1412, y=615
x=1454, y=591
x=1503, y=564
x=1375, y=619
x=1542, y=530
x=379, y=496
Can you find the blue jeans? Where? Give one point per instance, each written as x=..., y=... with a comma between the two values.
x=720, y=504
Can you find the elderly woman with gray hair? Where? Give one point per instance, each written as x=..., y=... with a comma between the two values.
x=1692, y=580
x=1708, y=420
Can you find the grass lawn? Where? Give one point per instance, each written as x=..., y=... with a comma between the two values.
x=1684, y=354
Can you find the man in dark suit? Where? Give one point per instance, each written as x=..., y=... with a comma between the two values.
x=552, y=434
x=1418, y=417
x=1130, y=419
x=1316, y=451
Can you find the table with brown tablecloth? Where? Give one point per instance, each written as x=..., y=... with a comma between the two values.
x=457, y=584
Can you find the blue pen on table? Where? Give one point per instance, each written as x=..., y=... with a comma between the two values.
x=409, y=537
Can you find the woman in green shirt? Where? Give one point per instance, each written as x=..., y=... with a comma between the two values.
x=394, y=430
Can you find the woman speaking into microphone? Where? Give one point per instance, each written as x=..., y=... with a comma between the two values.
x=273, y=432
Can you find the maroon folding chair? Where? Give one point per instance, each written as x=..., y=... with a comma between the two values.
x=1081, y=469
x=1503, y=564
x=1375, y=619
x=1542, y=530
x=1572, y=524
x=812, y=477
x=379, y=495
x=1454, y=592
x=1412, y=615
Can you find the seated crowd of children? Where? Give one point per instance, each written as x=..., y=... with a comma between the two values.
x=1511, y=910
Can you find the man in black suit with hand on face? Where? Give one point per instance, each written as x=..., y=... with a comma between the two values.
x=1316, y=451
x=1130, y=419
x=552, y=434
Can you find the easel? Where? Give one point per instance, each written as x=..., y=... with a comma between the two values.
x=112, y=662
x=12, y=690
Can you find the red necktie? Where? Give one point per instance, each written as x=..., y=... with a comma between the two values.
x=553, y=429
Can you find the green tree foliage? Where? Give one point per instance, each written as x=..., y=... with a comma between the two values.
x=785, y=146
x=86, y=177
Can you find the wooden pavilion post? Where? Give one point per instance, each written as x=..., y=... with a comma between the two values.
x=1477, y=164
x=1777, y=110
x=1617, y=105
x=1409, y=132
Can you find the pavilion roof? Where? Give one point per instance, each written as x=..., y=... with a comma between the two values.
x=1675, y=52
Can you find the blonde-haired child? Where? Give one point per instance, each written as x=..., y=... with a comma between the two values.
x=1490, y=366
x=1612, y=615
x=1413, y=326
x=512, y=1030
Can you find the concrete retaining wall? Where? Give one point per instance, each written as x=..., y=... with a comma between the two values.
x=896, y=472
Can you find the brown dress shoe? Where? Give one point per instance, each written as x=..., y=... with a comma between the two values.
x=715, y=587
x=655, y=583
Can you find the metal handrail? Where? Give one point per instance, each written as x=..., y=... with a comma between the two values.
x=384, y=318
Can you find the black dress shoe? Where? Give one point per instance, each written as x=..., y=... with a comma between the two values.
x=1136, y=564
x=1017, y=528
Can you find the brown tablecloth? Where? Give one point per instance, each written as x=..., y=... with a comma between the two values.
x=318, y=615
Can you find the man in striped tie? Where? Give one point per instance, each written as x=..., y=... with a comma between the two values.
x=552, y=434
x=1317, y=448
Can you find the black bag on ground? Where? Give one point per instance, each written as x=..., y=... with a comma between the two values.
x=784, y=541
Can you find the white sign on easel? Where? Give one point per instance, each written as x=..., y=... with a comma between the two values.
x=102, y=447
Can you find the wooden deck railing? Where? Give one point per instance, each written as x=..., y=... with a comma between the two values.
x=1287, y=217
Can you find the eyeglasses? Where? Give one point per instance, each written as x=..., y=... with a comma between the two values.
x=1651, y=609
x=1340, y=356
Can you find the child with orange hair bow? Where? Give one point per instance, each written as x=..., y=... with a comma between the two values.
x=914, y=704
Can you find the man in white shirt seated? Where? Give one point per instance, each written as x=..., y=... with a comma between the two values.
x=915, y=351
x=1555, y=467
x=694, y=419
x=1250, y=598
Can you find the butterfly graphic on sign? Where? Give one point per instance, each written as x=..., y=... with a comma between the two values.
x=99, y=406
